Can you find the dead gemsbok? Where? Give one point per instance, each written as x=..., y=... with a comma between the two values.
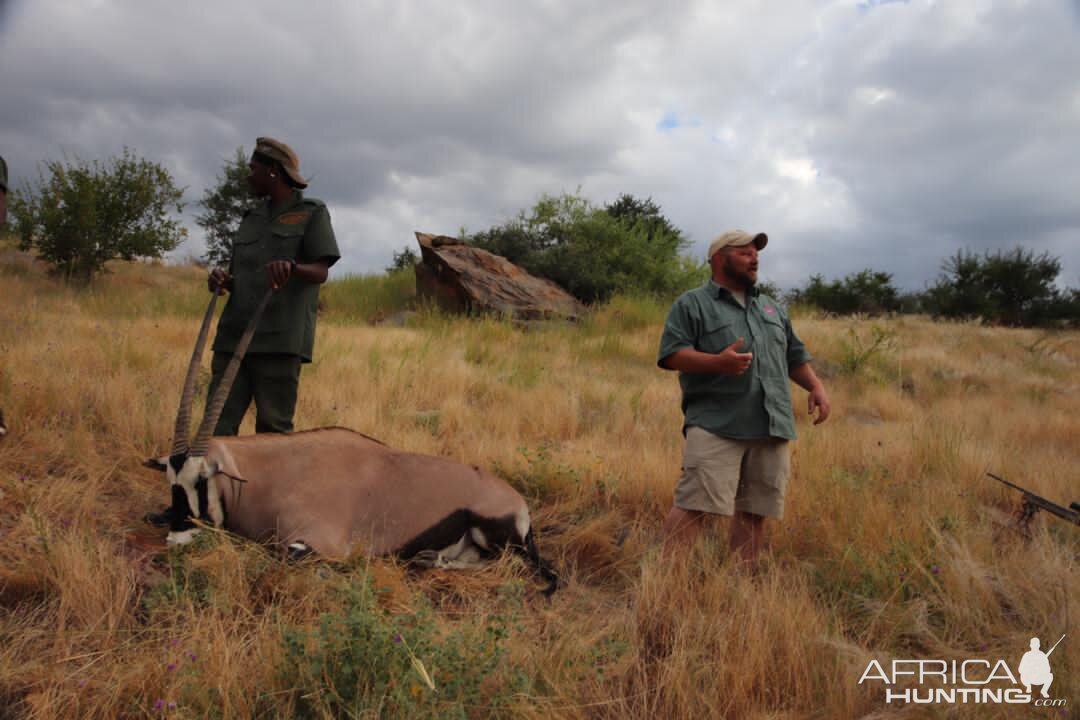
x=335, y=492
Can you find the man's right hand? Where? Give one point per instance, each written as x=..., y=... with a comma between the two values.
x=732, y=362
x=218, y=281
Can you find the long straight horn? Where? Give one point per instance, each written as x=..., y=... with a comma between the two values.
x=213, y=409
x=183, y=415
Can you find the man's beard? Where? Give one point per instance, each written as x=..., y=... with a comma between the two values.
x=748, y=279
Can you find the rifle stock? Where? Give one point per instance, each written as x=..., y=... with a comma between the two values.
x=1033, y=503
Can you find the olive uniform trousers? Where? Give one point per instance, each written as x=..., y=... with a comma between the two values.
x=270, y=379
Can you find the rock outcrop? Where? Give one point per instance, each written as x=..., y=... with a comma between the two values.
x=463, y=278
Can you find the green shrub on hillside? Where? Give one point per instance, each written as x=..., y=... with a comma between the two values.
x=365, y=661
x=84, y=214
x=594, y=252
x=867, y=292
x=1011, y=288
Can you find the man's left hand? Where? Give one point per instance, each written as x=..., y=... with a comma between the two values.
x=818, y=400
x=279, y=272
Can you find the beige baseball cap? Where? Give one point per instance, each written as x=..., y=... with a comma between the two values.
x=737, y=238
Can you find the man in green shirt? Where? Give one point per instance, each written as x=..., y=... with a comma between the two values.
x=286, y=243
x=734, y=349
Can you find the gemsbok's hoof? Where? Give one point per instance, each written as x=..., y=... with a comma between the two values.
x=425, y=559
x=298, y=551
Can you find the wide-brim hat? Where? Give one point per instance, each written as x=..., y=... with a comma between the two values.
x=737, y=238
x=284, y=155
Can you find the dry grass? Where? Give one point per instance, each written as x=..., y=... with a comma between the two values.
x=892, y=546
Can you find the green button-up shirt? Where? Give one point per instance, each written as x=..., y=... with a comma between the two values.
x=299, y=229
x=756, y=404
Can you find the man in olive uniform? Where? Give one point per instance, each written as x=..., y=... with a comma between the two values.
x=285, y=243
x=734, y=349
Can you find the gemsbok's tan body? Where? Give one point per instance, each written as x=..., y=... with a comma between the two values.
x=336, y=492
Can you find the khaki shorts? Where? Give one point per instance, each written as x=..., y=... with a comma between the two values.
x=721, y=475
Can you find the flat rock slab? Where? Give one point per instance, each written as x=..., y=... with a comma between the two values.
x=463, y=278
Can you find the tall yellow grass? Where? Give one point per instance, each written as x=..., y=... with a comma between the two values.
x=895, y=545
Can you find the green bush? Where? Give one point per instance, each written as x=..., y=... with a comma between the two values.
x=85, y=214
x=594, y=252
x=1011, y=288
x=405, y=259
x=363, y=661
x=866, y=292
x=859, y=351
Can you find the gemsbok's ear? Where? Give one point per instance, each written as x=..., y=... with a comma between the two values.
x=225, y=465
x=160, y=464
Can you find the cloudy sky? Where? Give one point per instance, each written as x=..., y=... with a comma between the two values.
x=858, y=133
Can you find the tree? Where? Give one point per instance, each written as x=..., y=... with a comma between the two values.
x=406, y=259
x=1014, y=287
x=958, y=292
x=770, y=288
x=223, y=207
x=645, y=214
x=594, y=252
x=85, y=214
x=867, y=291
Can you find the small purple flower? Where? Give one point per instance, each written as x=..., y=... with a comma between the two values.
x=82, y=683
x=398, y=639
x=174, y=642
x=159, y=704
x=172, y=705
x=171, y=667
x=191, y=655
x=935, y=570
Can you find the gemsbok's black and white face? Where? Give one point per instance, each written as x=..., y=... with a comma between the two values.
x=185, y=505
x=195, y=496
x=189, y=471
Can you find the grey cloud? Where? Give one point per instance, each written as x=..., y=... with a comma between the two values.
x=418, y=115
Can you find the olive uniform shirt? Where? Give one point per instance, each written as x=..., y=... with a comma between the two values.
x=299, y=229
x=756, y=404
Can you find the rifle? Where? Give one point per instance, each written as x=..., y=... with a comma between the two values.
x=1033, y=503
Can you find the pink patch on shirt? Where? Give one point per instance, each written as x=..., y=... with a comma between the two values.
x=770, y=309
